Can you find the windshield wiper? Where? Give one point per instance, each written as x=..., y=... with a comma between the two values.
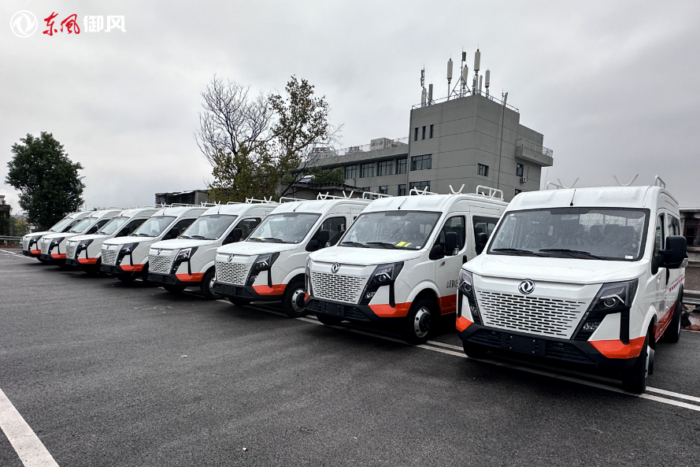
x=572, y=252
x=142, y=235
x=384, y=244
x=274, y=239
x=517, y=251
x=357, y=244
x=197, y=236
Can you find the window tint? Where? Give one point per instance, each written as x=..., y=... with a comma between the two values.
x=457, y=225
x=420, y=185
x=402, y=190
x=98, y=225
x=659, y=234
x=335, y=227
x=519, y=170
x=415, y=135
x=367, y=170
x=178, y=228
x=674, y=226
x=384, y=189
x=350, y=171
x=483, y=225
x=432, y=127
x=484, y=170
x=247, y=226
x=130, y=228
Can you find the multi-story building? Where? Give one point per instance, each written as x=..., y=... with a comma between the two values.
x=473, y=140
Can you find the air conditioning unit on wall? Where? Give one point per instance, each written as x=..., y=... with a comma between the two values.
x=523, y=179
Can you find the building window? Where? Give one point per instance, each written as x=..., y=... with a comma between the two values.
x=384, y=190
x=519, y=170
x=484, y=170
x=517, y=192
x=385, y=168
x=420, y=185
x=402, y=190
x=432, y=127
x=367, y=170
x=350, y=171
x=422, y=162
x=423, y=132
x=415, y=135
x=400, y=166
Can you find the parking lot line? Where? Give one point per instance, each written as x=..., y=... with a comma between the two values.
x=29, y=448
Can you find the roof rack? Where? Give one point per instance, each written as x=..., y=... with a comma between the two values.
x=205, y=204
x=286, y=199
x=458, y=192
x=560, y=185
x=253, y=200
x=659, y=182
x=371, y=195
x=489, y=192
x=417, y=192
x=626, y=184
x=327, y=195
x=174, y=205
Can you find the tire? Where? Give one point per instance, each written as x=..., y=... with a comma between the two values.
x=634, y=379
x=673, y=331
x=474, y=350
x=126, y=278
x=329, y=320
x=207, y=285
x=239, y=301
x=293, y=299
x=419, y=321
x=174, y=288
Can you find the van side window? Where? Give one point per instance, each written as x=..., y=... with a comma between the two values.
x=177, y=230
x=659, y=234
x=335, y=227
x=674, y=226
x=247, y=226
x=454, y=224
x=129, y=228
x=97, y=226
x=483, y=225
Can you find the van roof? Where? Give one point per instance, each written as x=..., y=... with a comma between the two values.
x=439, y=203
x=617, y=197
x=133, y=212
x=320, y=206
x=178, y=211
x=103, y=213
x=238, y=208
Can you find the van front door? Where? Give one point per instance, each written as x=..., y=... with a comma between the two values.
x=447, y=268
x=656, y=286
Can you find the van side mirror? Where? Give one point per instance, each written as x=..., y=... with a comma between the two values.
x=675, y=252
x=437, y=252
x=450, y=243
x=233, y=237
x=481, y=241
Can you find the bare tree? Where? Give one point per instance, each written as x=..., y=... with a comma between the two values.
x=231, y=120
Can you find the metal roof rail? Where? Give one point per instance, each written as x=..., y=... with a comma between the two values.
x=205, y=204
x=253, y=200
x=626, y=184
x=556, y=187
x=371, y=195
x=181, y=205
x=458, y=192
x=287, y=199
x=659, y=182
x=326, y=195
x=417, y=192
x=489, y=192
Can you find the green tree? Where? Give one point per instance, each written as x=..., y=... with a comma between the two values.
x=46, y=179
x=238, y=176
x=18, y=226
x=327, y=175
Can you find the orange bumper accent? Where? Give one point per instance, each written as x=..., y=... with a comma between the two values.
x=277, y=289
x=196, y=277
x=463, y=323
x=306, y=296
x=616, y=349
x=57, y=256
x=386, y=311
x=448, y=304
x=35, y=252
x=87, y=260
x=134, y=268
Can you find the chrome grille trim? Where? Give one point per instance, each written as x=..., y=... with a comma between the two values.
x=109, y=257
x=70, y=251
x=337, y=287
x=232, y=273
x=160, y=264
x=549, y=317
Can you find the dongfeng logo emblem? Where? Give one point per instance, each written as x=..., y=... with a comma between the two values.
x=526, y=287
x=23, y=23
x=335, y=267
x=230, y=258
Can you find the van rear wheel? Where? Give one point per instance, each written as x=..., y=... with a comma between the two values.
x=419, y=321
x=634, y=379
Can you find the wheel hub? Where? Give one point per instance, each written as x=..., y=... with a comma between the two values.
x=421, y=323
x=298, y=298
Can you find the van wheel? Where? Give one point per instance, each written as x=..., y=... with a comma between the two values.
x=673, y=331
x=239, y=301
x=634, y=379
x=174, y=288
x=474, y=350
x=329, y=320
x=207, y=285
x=293, y=299
x=419, y=321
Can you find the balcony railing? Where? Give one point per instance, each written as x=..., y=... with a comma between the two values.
x=525, y=143
x=384, y=143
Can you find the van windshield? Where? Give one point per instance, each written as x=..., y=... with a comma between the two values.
x=288, y=227
x=583, y=233
x=153, y=226
x=61, y=225
x=209, y=227
x=83, y=225
x=112, y=226
x=391, y=229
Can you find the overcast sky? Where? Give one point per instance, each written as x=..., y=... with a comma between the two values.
x=612, y=85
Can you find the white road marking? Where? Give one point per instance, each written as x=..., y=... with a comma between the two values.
x=674, y=394
x=17, y=255
x=29, y=447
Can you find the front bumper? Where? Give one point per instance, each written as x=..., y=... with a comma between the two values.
x=248, y=292
x=53, y=258
x=32, y=253
x=85, y=263
x=176, y=279
x=350, y=312
x=121, y=269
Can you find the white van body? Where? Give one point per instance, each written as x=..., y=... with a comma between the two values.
x=30, y=242
x=579, y=276
x=85, y=251
x=269, y=265
x=188, y=261
x=127, y=257
x=391, y=265
x=53, y=246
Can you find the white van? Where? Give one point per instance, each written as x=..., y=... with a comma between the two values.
x=53, y=246
x=400, y=260
x=188, y=261
x=269, y=265
x=85, y=251
x=30, y=242
x=127, y=257
x=590, y=276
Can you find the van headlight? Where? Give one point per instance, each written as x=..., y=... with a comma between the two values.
x=466, y=282
x=615, y=295
x=385, y=274
x=264, y=262
x=82, y=246
x=465, y=287
x=185, y=254
x=56, y=241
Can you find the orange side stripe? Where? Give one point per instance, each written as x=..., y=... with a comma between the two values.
x=196, y=277
x=463, y=323
x=448, y=304
x=35, y=252
x=134, y=268
x=56, y=256
x=277, y=289
x=386, y=311
x=616, y=349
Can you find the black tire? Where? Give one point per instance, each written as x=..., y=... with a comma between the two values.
x=474, y=350
x=239, y=301
x=293, y=299
x=634, y=379
x=207, y=285
x=174, y=288
x=673, y=332
x=420, y=321
x=329, y=320
x=126, y=278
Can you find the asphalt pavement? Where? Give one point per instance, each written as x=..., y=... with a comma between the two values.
x=109, y=374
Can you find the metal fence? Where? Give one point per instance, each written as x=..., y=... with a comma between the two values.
x=534, y=147
x=10, y=241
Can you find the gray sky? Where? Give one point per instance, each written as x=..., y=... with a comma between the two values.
x=612, y=85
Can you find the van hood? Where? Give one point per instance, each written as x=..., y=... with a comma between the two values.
x=178, y=243
x=79, y=238
x=562, y=270
x=63, y=235
x=255, y=248
x=363, y=256
x=125, y=240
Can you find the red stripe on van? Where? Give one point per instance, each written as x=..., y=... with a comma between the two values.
x=463, y=323
x=134, y=268
x=448, y=304
x=57, y=256
x=386, y=311
x=616, y=349
x=87, y=260
x=277, y=289
x=196, y=277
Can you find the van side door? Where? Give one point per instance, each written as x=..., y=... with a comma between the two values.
x=447, y=267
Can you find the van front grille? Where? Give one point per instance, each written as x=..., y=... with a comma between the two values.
x=109, y=257
x=70, y=251
x=232, y=273
x=337, y=287
x=160, y=264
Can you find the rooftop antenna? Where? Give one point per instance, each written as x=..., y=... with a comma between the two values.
x=488, y=82
x=422, y=85
x=625, y=184
x=430, y=94
x=477, y=64
x=461, y=89
x=449, y=77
